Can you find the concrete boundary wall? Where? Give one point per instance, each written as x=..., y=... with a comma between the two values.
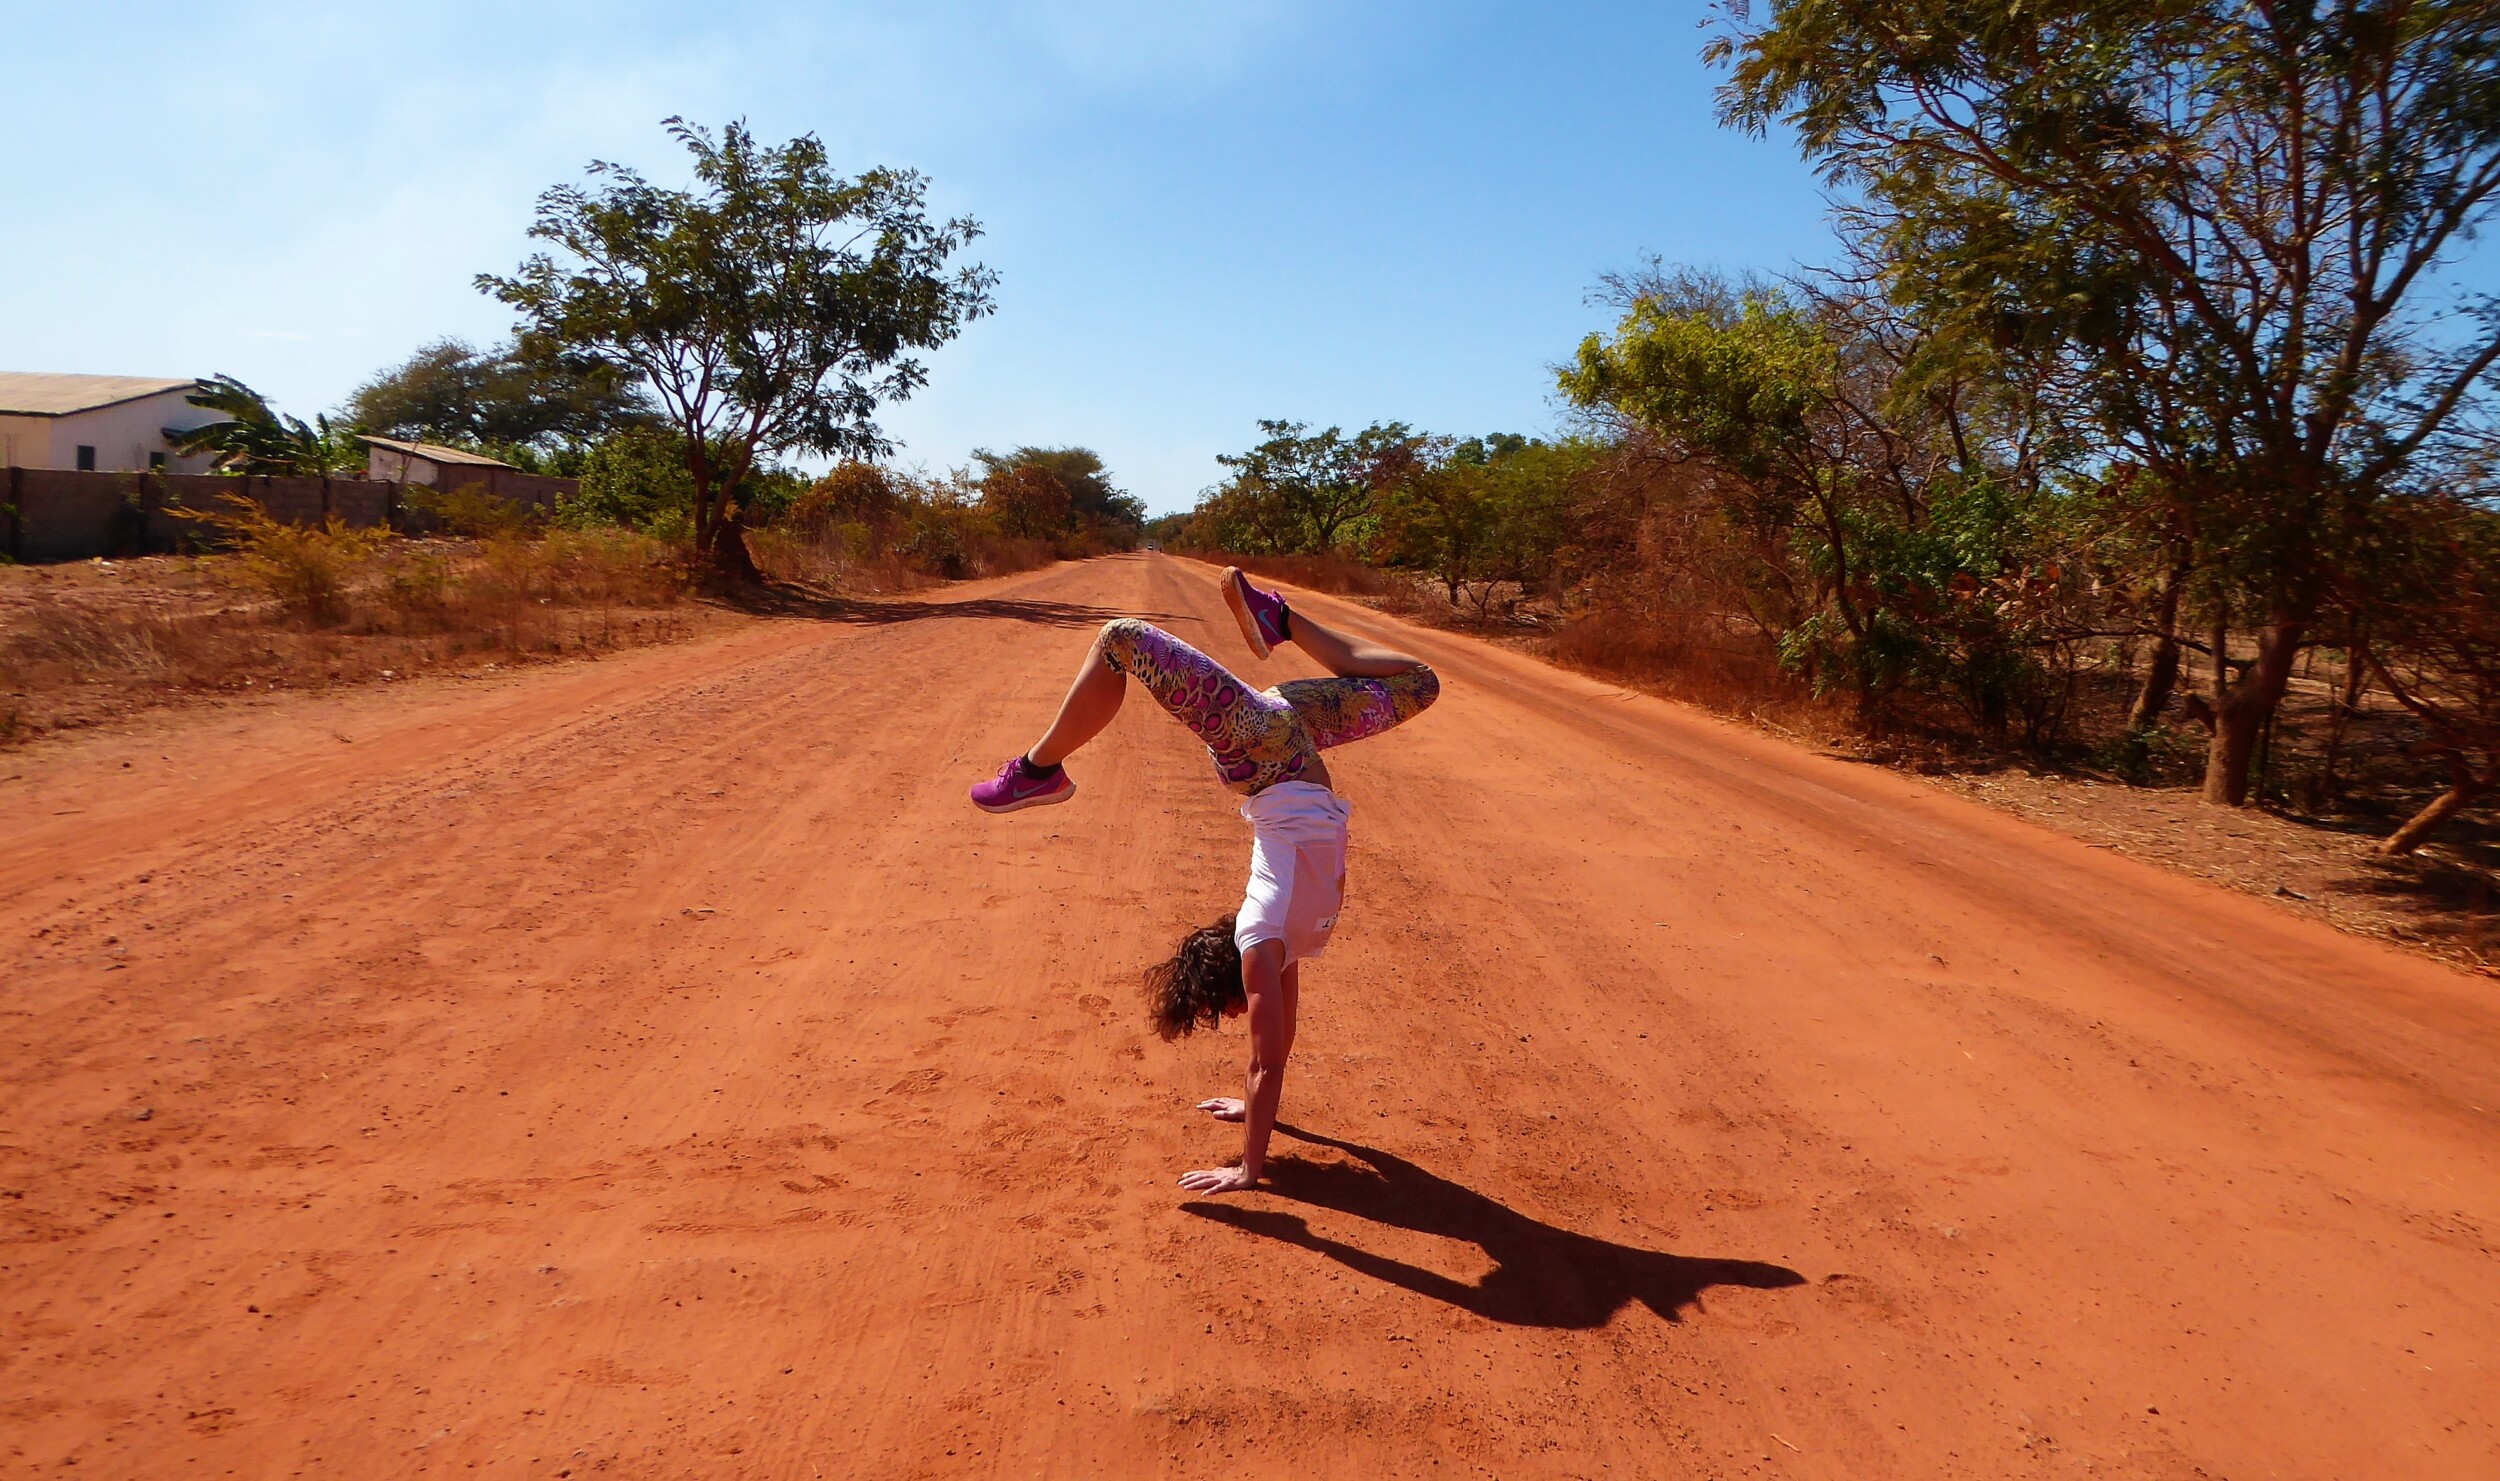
x=51, y=514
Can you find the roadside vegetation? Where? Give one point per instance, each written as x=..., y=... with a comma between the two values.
x=2142, y=431
x=767, y=311
x=294, y=609
x=675, y=352
x=269, y=606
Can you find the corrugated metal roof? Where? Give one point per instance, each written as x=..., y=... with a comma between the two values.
x=38, y=394
x=435, y=452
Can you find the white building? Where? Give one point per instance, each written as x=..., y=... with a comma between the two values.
x=97, y=423
x=389, y=460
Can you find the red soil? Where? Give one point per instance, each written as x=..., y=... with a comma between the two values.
x=654, y=1067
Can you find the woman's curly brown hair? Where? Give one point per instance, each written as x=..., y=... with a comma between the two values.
x=1198, y=984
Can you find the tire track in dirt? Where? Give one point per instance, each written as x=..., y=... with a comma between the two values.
x=656, y=1068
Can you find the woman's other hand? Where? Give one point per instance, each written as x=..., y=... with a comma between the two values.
x=1224, y=1108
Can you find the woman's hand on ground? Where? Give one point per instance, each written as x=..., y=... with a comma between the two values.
x=1217, y=1180
x=1224, y=1108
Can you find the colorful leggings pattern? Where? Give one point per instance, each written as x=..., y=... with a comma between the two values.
x=1260, y=737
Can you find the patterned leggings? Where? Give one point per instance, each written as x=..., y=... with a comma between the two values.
x=1260, y=737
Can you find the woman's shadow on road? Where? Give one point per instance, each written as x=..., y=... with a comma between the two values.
x=789, y=599
x=1541, y=1277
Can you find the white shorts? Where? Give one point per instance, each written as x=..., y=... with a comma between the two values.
x=1297, y=868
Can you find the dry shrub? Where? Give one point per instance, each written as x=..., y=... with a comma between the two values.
x=306, y=570
x=77, y=646
x=917, y=540
x=782, y=553
x=419, y=580
x=1699, y=659
x=840, y=555
x=866, y=528
x=524, y=591
x=1004, y=555
x=1663, y=597
x=470, y=509
x=614, y=565
x=1335, y=574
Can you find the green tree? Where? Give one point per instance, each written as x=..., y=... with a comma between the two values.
x=1902, y=531
x=1437, y=520
x=1479, y=514
x=2233, y=221
x=1027, y=500
x=255, y=438
x=1317, y=484
x=1248, y=515
x=1746, y=385
x=769, y=310
x=532, y=395
x=637, y=478
x=2433, y=616
x=1095, y=507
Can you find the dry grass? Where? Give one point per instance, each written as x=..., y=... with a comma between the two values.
x=2439, y=902
x=854, y=558
x=1698, y=663
x=307, y=571
x=288, y=607
x=85, y=643
x=1333, y=574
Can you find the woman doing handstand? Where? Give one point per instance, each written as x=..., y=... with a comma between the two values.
x=1266, y=745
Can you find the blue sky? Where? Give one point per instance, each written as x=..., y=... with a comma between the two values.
x=1200, y=214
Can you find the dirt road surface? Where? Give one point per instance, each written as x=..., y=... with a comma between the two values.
x=655, y=1068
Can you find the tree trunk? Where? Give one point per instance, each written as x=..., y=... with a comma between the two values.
x=730, y=558
x=719, y=541
x=2463, y=787
x=2160, y=677
x=2163, y=674
x=2347, y=704
x=2241, y=712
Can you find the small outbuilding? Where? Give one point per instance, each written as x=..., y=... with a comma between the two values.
x=389, y=460
x=98, y=423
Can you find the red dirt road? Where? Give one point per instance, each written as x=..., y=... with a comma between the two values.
x=655, y=1068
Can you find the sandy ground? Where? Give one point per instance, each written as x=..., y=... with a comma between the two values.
x=2328, y=869
x=653, y=1067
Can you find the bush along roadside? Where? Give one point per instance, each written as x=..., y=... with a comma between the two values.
x=286, y=607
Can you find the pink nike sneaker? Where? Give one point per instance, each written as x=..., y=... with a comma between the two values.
x=1015, y=788
x=1262, y=614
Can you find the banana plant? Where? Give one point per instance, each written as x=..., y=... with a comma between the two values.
x=255, y=438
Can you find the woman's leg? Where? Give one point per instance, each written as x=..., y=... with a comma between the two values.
x=1376, y=688
x=1252, y=736
x=1091, y=703
x=1345, y=655
x=1267, y=621
x=1339, y=712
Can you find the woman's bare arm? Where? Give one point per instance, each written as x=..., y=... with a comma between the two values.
x=1273, y=989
